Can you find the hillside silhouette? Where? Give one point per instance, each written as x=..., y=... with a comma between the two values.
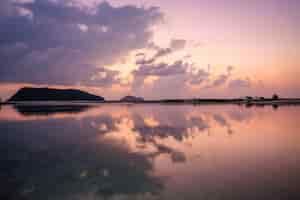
x=48, y=94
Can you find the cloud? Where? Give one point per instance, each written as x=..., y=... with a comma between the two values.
x=175, y=45
x=161, y=69
x=178, y=44
x=199, y=77
x=56, y=42
x=180, y=79
x=65, y=43
x=141, y=60
x=162, y=52
x=180, y=75
x=221, y=79
x=174, y=79
x=240, y=83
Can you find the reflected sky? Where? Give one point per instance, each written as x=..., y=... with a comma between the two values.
x=149, y=152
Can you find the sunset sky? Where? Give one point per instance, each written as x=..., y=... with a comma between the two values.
x=152, y=48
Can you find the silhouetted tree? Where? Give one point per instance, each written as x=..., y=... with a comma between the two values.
x=249, y=99
x=275, y=97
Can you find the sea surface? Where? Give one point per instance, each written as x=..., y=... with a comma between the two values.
x=159, y=152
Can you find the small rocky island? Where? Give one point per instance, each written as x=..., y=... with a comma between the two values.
x=48, y=94
x=134, y=99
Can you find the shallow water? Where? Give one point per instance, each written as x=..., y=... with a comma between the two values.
x=149, y=152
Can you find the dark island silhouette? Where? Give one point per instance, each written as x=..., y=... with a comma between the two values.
x=49, y=94
x=132, y=99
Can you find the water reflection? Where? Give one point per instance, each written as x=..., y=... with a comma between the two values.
x=149, y=152
x=34, y=110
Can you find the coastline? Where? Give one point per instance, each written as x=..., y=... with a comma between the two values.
x=270, y=102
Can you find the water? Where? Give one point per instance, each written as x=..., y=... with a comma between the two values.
x=149, y=152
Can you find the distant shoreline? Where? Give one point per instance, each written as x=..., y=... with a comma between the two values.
x=272, y=102
x=51, y=97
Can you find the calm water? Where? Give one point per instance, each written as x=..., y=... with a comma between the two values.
x=149, y=152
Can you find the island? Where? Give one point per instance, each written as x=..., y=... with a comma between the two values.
x=70, y=97
x=49, y=94
x=132, y=99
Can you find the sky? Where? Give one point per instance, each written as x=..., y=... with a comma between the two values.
x=151, y=48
